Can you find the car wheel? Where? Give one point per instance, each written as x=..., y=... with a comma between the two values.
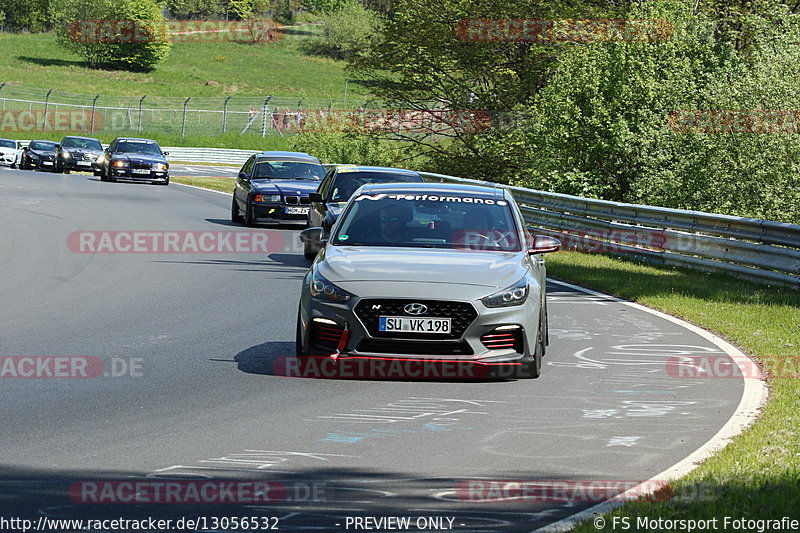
x=299, y=351
x=108, y=174
x=533, y=369
x=236, y=216
x=248, y=216
x=308, y=251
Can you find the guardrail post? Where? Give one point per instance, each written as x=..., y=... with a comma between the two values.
x=225, y=113
x=265, y=111
x=139, y=125
x=94, y=105
x=183, y=124
x=46, y=101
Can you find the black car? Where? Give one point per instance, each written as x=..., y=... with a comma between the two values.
x=39, y=154
x=336, y=188
x=273, y=187
x=78, y=153
x=134, y=159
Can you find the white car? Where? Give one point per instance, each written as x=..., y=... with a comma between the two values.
x=10, y=152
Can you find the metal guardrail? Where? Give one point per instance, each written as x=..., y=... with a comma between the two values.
x=761, y=250
x=208, y=155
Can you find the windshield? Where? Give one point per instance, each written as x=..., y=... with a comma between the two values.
x=8, y=144
x=88, y=144
x=348, y=182
x=288, y=170
x=43, y=145
x=139, y=147
x=455, y=221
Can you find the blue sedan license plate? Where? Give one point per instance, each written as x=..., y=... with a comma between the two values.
x=414, y=325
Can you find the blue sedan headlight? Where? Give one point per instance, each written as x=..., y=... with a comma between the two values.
x=508, y=297
x=323, y=289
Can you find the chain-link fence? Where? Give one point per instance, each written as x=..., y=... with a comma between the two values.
x=31, y=109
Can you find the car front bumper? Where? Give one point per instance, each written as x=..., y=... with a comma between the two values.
x=128, y=174
x=279, y=213
x=479, y=341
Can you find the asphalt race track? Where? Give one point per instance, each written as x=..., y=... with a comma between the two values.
x=189, y=388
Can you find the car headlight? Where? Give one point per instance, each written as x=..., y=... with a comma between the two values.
x=33, y=155
x=66, y=155
x=120, y=163
x=325, y=290
x=508, y=297
x=160, y=166
x=267, y=198
x=100, y=158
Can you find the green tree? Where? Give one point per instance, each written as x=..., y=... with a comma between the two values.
x=126, y=34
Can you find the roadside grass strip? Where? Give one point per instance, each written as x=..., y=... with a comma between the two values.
x=756, y=477
x=213, y=183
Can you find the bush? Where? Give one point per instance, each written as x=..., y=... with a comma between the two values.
x=31, y=15
x=348, y=31
x=337, y=147
x=103, y=42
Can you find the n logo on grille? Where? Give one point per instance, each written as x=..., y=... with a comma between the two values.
x=415, y=309
x=376, y=306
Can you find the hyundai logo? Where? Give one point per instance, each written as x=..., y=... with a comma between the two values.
x=415, y=309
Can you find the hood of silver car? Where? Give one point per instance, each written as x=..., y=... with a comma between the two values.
x=342, y=264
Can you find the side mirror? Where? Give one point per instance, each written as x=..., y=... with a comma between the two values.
x=243, y=176
x=58, y=147
x=544, y=244
x=165, y=153
x=313, y=235
x=315, y=197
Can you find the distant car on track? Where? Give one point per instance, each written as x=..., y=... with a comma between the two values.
x=78, y=153
x=10, y=152
x=39, y=154
x=273, y=188
x=428, y=271
x=134, y=159
x=336, y=188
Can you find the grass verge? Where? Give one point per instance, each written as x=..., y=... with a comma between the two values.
x=756, y=475
x=216, y=184
x=210, y=68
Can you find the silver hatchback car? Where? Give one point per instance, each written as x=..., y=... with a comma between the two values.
x=428, y=272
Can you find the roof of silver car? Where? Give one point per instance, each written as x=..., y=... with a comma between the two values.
x=429, y=187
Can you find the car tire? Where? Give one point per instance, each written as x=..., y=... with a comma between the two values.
x=236, y=215
x=299, y=351
x=248, y=216
x=533, y=369
x=308, y=252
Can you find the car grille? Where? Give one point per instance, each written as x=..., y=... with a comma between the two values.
x=139, y=164
x=84, y=157
x=297, y=200
x=368, y=346
x=462, y=314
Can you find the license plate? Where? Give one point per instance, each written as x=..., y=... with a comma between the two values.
x=141, y=171
x=414, y=325
x=297, y=210
x=47, y=163
x=84, y=163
